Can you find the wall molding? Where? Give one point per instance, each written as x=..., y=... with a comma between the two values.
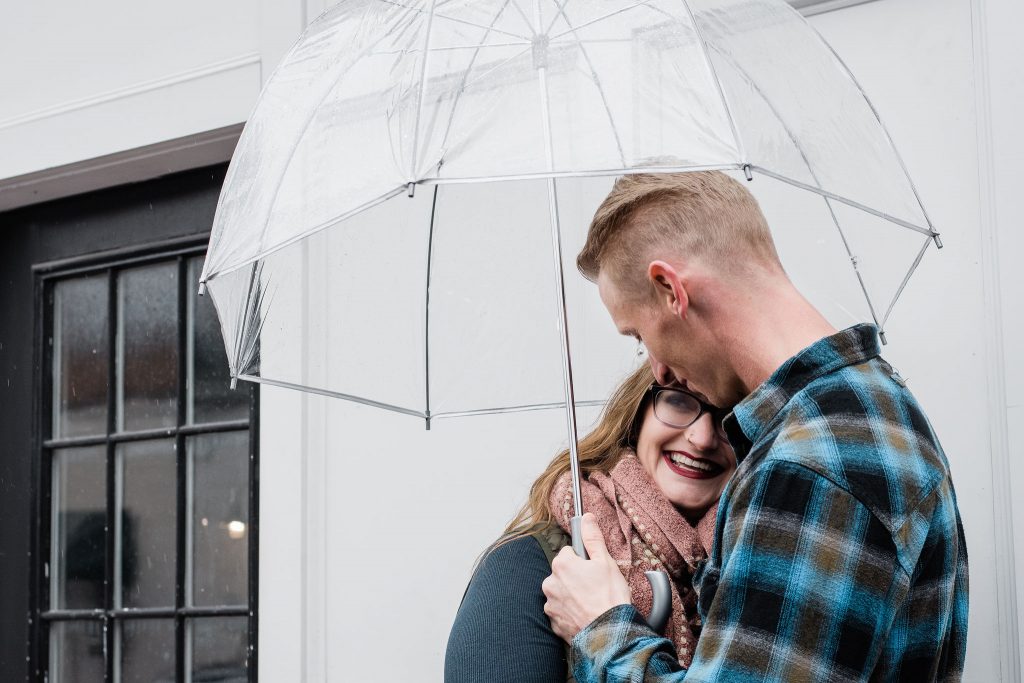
x=239, y=62
x=141, y=163
x=1002, y=488
x=809, y=8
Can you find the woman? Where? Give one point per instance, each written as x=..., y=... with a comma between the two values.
x=654, y=468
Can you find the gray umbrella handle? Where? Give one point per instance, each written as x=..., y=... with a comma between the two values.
x=576, y=524
x=661, y=602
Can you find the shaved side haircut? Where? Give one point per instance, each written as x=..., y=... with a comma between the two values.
x=705, y=215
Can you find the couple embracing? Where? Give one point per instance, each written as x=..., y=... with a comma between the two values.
x=777, y=469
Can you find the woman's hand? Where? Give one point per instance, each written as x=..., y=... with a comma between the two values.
x=579, y=591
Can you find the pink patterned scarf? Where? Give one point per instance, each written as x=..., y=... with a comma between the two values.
x=644, y=531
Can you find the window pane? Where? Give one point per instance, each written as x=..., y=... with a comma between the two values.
x=148, y=347
x=146, y=553
x=219, y=466
x=80, y=356
x=78, y=543
x=147, y=650
x=76, y=652
x=210, y=396
x=219, y=646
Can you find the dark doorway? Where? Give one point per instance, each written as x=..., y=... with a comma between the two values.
x=124, y=461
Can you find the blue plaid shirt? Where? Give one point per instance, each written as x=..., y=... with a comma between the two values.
x=839, y=554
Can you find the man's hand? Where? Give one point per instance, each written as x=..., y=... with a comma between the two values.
x=578, y=590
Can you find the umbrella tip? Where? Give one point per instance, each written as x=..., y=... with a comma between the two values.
x=410, y=189
x=748, y=172
x=202, y=288
x=938, y=240
x=881, y=336
x=234, y=382
x=426, y=421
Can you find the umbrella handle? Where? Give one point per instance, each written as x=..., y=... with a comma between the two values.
x=661, y=593
x=661, y=602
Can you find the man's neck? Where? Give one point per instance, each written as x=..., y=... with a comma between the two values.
x=760, y=332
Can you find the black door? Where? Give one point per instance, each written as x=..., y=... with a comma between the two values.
x=128, y=468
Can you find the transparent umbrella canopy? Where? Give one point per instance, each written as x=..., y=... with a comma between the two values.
x=403, y=202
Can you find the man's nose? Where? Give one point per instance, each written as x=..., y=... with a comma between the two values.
x=702, y=433
x=662, y=375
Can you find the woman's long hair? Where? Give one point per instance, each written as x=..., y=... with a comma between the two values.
x=600, y=451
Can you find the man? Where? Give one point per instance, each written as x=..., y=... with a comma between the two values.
x=839, y=552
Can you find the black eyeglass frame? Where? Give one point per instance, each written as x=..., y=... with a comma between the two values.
x=717, y=414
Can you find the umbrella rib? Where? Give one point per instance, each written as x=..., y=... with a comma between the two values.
x=581, y=174
x=317, y=228
x=843, y=200
x=291, y=157
x=457, y=47
x=250, y=351
x=423, y=93
x=458, y=21
x=817, y=190
x=516, y=409
x=426, y=307
x=465, y=76
x=597, y=81
x=885, y=131
x=718, y=83
x=906, y=279
x=333, y=394
x=533, y=29
x=497, y=66
x=601, y=18
x=554, y=19
x=416, y=413
x=482, y=179
x=243, y=323
x=803, y=155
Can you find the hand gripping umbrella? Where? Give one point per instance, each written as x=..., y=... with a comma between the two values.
x=380, y=236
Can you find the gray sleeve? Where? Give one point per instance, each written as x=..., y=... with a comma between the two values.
x=501, y=634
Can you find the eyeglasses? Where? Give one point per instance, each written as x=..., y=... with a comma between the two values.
x=679, y=408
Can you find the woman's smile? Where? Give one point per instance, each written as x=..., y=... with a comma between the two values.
x=691, y=466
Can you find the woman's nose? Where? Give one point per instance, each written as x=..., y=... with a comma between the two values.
x=702, y=433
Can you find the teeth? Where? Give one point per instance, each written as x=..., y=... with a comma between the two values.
x=680, y=459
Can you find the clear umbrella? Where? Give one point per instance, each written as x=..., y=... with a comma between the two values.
x=391, y=227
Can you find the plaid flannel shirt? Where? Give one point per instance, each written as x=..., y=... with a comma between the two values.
x=839, y=553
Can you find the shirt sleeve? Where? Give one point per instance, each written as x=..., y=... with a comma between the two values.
x=808, y=587
x=501, y=633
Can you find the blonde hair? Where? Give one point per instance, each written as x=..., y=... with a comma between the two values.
x=706, y=214
x=599, y=451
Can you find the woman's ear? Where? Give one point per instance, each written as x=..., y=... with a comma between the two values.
x=669, y=289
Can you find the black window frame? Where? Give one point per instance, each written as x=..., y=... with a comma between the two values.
x=45, y=276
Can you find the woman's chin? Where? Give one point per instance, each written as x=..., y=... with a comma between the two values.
x=692, y=499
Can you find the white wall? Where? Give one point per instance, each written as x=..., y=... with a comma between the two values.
x=1002, y=151
x=111, y=91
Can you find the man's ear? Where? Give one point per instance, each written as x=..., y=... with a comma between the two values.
x=668, y=288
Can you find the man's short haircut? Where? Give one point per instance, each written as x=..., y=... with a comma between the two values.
x=702, y=214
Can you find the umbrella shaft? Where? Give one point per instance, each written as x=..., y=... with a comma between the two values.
x=556, y=241
x=563, y=328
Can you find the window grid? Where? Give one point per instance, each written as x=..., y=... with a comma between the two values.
x=181, y=612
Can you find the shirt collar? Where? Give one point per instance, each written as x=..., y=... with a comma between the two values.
x=752, y=417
